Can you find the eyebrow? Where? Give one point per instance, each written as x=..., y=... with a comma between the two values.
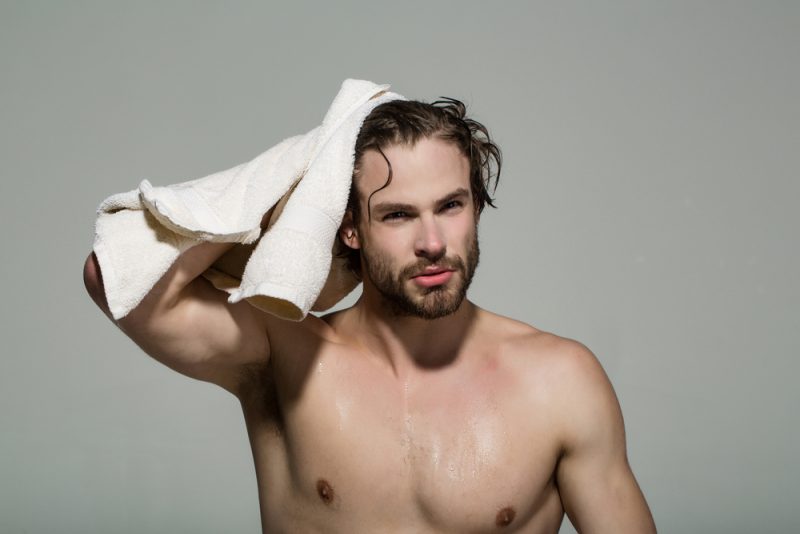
x=386, y=207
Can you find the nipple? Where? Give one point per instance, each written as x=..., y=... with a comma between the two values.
x=505, y=517
x=325, y=491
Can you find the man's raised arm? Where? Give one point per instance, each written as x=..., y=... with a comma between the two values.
x=597, y=487
x=187, y=324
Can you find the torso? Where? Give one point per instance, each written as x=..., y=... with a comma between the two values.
x=341, y=445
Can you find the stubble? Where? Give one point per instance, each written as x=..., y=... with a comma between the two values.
x=429, y=303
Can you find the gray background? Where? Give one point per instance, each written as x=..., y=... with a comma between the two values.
x=646, y=209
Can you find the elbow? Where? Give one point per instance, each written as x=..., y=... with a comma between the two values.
x=93, y=281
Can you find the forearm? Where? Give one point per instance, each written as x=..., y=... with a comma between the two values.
x=186, y=270
x=167, y=291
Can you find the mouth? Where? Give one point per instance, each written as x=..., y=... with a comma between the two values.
x=432, y=271
x=433, y=276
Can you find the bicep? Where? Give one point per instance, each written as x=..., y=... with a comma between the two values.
x=597, y=486
x=201, y=335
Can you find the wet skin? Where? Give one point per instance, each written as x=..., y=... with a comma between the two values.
x=414, y=410
x=380, y=421
x=342, y=444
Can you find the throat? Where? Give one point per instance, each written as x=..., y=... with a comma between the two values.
x=410, y=343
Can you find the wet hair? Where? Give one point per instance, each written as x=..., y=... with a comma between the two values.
x=404, y=122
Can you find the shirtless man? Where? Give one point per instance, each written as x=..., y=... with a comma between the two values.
x=414, y=410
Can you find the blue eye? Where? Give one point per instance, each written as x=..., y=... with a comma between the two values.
x=452, y=204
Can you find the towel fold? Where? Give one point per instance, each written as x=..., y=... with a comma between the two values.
x=288, y=270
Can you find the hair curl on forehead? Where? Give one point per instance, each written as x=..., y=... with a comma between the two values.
x=404, y=122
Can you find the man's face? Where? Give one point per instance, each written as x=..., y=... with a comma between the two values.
x=420, y=248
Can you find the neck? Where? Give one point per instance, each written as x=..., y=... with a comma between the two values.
x=411, y=343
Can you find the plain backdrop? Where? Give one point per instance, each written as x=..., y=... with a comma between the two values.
x=647, y=208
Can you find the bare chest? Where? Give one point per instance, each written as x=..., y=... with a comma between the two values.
x=459, y=452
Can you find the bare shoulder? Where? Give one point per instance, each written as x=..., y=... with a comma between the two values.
x=564, y=378
x=527, y=340
x=293, y=344
x=559, y=363
x=290, y=339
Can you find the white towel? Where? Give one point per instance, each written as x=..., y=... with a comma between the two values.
x=291, y=269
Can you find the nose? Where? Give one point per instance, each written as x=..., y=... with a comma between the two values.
x=430, y=241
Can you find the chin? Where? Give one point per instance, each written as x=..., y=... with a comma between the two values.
x=434, y=303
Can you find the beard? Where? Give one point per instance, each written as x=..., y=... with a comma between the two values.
x=432, y=302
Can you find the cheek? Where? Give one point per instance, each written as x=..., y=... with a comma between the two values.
x=395, y=242
x=379, y=248
x=463, y=231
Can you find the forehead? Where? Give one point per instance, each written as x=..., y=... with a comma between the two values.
x=429, y=169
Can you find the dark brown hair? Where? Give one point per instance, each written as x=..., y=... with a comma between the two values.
x=404, y=122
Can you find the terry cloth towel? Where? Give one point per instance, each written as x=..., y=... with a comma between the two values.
x=304, y=181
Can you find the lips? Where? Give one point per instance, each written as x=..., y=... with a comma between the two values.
x=433, y=277
x=432, y=271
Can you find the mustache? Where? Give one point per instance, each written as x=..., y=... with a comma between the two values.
x=454, y=263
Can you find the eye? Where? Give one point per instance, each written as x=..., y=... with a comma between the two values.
x=452, y=205
x=395, y=215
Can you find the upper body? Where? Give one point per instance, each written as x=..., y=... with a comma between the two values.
x=414, y=410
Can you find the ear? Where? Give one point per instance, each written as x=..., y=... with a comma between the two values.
x=348, y=233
